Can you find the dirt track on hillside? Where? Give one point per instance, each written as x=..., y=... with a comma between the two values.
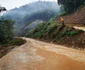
x=37, y=55
x=80, y=28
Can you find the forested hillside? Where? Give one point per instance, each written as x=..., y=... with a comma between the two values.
x=57, y=31
x=6, y=30
x=29, y=13
x=71, y=6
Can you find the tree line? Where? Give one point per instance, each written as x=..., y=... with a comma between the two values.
x=71, y=6
x=6, y=30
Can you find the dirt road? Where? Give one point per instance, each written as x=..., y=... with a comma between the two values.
x=37, y=55
x=80, y=28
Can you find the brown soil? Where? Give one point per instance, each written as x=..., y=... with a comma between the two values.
x=55, y=61
x=5, y=50
x=78, y=19
x=75, y=18
x=77, y=41
x=36, y=55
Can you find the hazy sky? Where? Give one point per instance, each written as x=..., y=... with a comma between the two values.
x=9, y=4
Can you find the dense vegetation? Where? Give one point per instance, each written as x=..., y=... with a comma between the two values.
x=7, y=40
x=57, y=33
x=52, y=31
x=28, y=13
x=71, y=6
x=6, y=30
x=49, y=31
x=6, y=34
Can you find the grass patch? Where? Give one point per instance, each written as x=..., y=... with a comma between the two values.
x=14, y=42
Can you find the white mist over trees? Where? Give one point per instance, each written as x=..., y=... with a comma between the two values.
x=41, y=10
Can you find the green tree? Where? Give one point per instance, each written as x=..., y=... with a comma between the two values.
x=71, y=5
x=6, y=30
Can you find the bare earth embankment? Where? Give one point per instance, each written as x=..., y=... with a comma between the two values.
x=37, y=55
x=75, y=18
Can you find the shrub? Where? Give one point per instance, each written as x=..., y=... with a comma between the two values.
x=67, y=32
x=6, y=30
x=16, y=42
x=75, y=32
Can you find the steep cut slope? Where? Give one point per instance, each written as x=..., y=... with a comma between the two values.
x=75, y=18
